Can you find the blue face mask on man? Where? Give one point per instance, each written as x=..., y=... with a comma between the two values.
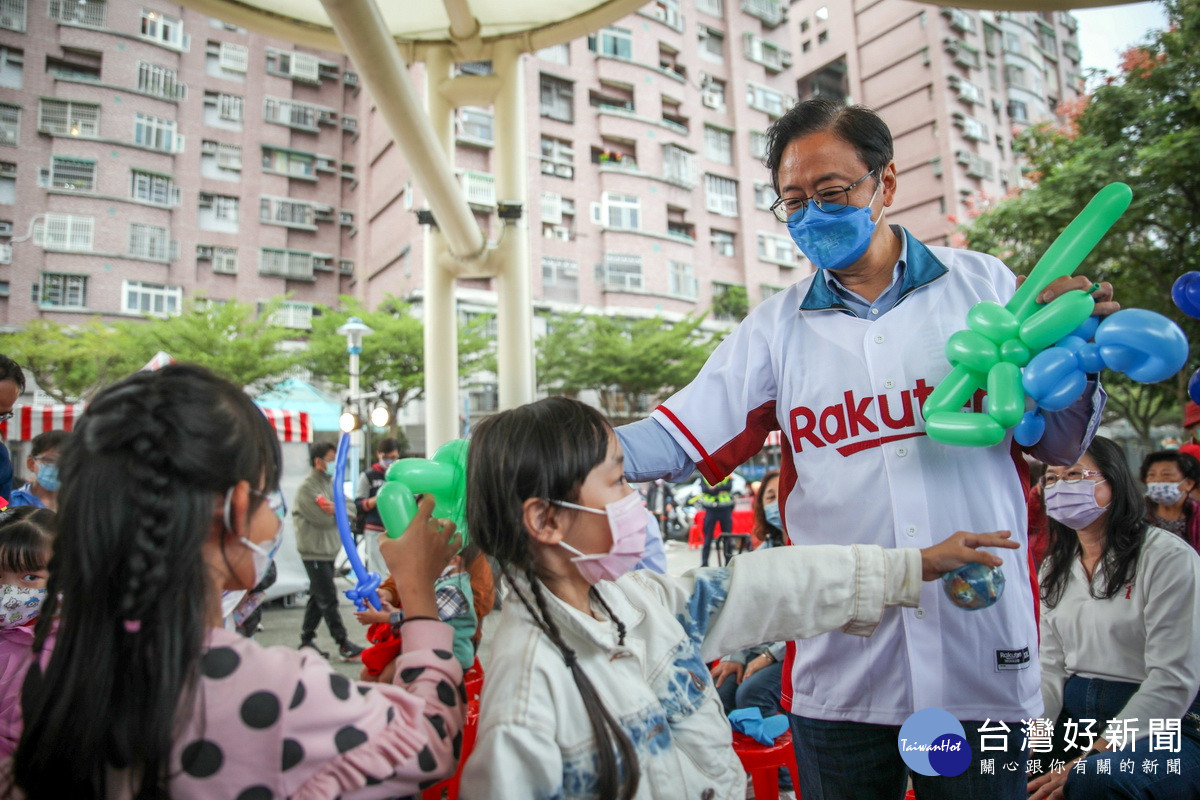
x=47, y=477
x=836, y=237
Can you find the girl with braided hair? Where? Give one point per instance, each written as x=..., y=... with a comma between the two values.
x=170, y=495
x=597, y=685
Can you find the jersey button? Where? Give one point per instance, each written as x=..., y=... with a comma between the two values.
x=902, y=451
x=920, y=613
x=889, y=384
x=911, y=530
x=879, y=338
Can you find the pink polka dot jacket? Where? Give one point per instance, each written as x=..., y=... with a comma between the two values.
x=280, y=723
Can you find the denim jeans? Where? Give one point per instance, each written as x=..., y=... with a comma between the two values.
x=840, y=760
x=1147, y=778
x=712, y=516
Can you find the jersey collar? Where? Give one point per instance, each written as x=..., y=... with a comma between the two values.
x=922, y=268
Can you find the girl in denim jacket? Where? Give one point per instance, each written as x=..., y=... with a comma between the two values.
x=597, y=686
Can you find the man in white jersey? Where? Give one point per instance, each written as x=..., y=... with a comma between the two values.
x=841, y=362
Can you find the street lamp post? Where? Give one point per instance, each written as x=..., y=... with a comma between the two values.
x=354, y=330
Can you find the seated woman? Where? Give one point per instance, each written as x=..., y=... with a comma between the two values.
x=1170, y=476
x=1120, y=640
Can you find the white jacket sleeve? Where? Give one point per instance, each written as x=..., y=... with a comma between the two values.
x=513, y=762
x=1054, y=668
x=1172, y=644
x=786, y=593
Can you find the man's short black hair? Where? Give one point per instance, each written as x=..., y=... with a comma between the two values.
x=11, y=371
x=858, y=126
x=47, y=441
x=319, y=450
x=388, y=445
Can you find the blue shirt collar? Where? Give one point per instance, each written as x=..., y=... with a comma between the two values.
x=916, y=267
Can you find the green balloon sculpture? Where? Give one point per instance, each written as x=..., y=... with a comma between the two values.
x=444, y=476
x=999, y=340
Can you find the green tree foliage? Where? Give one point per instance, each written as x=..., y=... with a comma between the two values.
x=392, y=362
x=624, y=359
x=72, y=362
x=237, y=341
x=1142, y=127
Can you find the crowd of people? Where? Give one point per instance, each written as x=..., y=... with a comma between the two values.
x=607, y=677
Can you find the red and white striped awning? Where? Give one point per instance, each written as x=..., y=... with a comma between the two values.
x=28, y=421
x=774, y=438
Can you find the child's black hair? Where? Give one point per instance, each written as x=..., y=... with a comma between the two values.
x=26, y=535
x=545, y=450
x=142, y=480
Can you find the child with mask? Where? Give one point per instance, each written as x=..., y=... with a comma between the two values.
x=597, y=685
x=42, y=491
x=26, y=534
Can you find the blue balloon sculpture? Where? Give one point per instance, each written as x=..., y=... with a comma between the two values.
x=1143, y=345
x=368, y=582
x=1186, y=294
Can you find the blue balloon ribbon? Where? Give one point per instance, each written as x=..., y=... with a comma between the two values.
x=368, y=582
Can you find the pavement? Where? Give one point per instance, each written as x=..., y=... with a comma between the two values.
x=281, y=620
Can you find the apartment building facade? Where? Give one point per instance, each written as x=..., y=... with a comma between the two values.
x=150, y=154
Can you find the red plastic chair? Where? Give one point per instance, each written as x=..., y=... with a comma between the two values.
x=762, y=763
x=448, y=788
x=473, y=681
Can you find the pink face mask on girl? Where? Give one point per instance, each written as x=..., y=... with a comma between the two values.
x=627, y=521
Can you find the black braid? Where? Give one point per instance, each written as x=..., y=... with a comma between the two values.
x=594, y=592
x=613, y=781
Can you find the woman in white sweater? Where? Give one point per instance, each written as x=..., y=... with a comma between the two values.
x=1120, y=641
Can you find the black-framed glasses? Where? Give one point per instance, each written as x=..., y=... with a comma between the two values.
x=831, y=198
x=1073, y=476
x=6, y=416
x=275, y=501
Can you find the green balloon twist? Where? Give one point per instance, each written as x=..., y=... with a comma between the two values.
x=1016, y=332
x=444, y=476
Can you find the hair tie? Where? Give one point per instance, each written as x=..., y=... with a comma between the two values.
x=133, y=625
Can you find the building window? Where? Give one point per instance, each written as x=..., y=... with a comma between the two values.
x=711, y=7
x=163, y=29
x=138, y=297
x=712, y=44
x=289, y=213
x=723, y=242
x=767, y=53
x=12, y=15
x=293, y=315
x=160, y=82
x=766, y=100
x=289, y=162
x=297, y=115
x=225, y=260
x=678, y=166
x=66, y=118
x=621, y=272
x=76, y=174
x=683, y=281
x=712, y=92
x=721, y=195
x=479, y=187
x=475, y=126
x=558, y=158
x=223, y=110
x=218, y=212
x=764, y=196
x=149, y=241
x=226, y=57
x=297, y=66
x=776, y=249
x=558, y=54
x=75, y=65
x=77, y=12
x=1018, y=111
x=557, y=98
x=64, y=232
x=291, y=264
x=758, y=144
x=221, y=161
x=614, y=42
x=621, y=211
x=12, y=67
x=156, y=133
x=151, y=187
x=560, y=278
x=10, y=125
x=718, y=145
x=62, y=291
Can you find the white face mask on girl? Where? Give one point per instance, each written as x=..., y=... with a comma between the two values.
x=19, y=604
x=627, y=522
